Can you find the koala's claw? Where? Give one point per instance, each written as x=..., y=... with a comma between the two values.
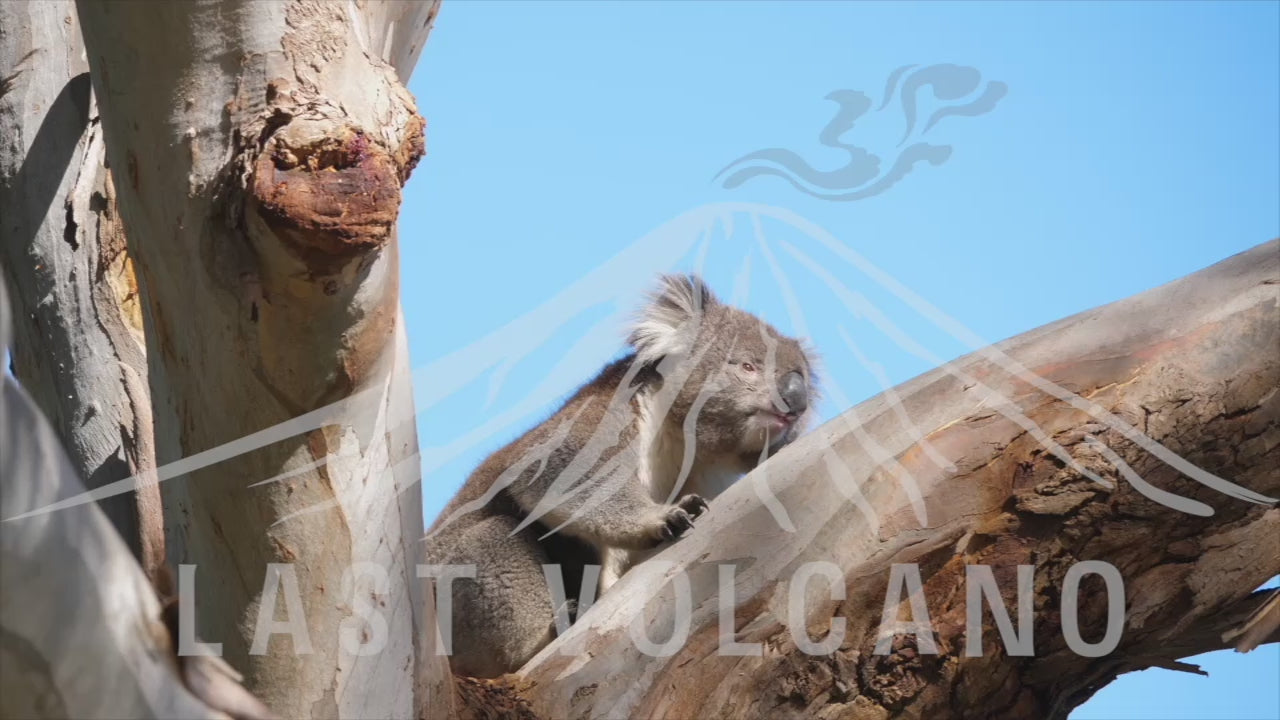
x=693, y=504
x=676, y=522
x=680, y=518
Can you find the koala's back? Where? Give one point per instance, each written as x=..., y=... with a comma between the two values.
x=535, y=460
x=481, y=537
x=504, y=615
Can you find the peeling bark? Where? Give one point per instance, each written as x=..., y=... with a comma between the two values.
x=80, y=627
x=78, y=345
x=1194, y=365
x=261, y=148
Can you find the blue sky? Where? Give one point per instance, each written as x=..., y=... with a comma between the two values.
x=572, y=149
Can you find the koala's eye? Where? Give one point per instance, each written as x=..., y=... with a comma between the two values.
x=748, y=367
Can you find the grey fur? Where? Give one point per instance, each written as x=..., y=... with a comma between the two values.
x=603, y=477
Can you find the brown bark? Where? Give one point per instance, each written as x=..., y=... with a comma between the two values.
x=1193, y=365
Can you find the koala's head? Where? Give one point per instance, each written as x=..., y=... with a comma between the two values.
x=748, y=386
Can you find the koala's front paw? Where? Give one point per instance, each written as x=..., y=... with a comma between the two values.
x=679, y=517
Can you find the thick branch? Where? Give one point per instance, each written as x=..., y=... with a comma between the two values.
x=1193, y=365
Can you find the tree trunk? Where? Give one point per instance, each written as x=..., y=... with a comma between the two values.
x=1193, y=365
x=259, y=150
x=78, y=346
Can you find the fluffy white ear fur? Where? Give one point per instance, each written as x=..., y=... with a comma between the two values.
x=668, y=324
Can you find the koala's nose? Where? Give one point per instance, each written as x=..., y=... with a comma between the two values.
x=794, y=392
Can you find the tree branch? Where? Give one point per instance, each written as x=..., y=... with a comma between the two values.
x=1191, y=365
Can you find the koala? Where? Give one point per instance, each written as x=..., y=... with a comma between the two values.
x=629, y=461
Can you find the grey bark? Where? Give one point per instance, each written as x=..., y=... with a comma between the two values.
x=80, y=626
x=77, y=346
x=259, y=150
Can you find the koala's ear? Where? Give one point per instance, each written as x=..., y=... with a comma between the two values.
x=668, y=323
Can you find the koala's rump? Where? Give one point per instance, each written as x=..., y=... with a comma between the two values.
x=504, y=615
